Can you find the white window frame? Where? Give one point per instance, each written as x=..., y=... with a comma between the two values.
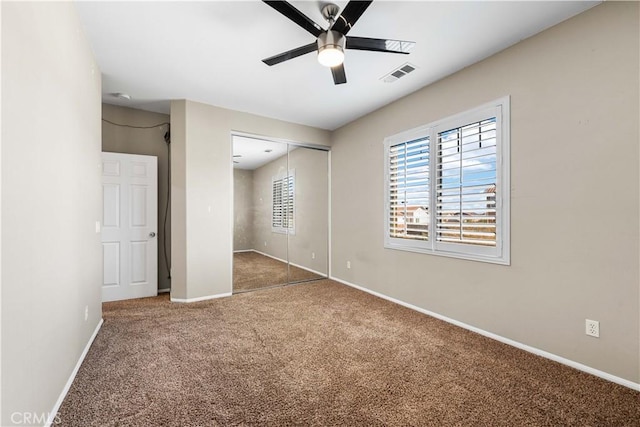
x=291, y=228
x=500, y=254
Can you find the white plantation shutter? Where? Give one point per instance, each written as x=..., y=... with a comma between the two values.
x=466, y=184
x=447, y=186
x=283, y=206
x=408, y=190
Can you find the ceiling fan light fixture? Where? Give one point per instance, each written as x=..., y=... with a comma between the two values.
x=331, y=48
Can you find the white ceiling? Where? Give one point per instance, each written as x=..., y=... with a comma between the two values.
x=211, y=52
x=251, y=153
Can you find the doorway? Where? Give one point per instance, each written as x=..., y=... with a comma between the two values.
x=281, y=211
x=129, y=226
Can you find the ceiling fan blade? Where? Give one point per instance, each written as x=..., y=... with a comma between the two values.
x=290, y=54
x=296, y=16
x=339, y=77
x=379, y=45
x=350, y=14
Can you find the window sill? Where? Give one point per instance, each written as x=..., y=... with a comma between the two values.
x=504, y=260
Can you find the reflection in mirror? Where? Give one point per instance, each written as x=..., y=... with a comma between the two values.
x=281, y=214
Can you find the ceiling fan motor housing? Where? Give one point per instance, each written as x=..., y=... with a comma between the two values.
x=331, y=40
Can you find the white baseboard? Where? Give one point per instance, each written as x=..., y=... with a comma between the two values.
x=54, y=412
x=525, y=347
x=239, y=251
x=270, y=256
x=291, y=263
x=205, y=298
x=164, y=291
x=309, y=269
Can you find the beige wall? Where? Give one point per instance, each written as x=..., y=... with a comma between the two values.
x=149, y=142
x=51, y=199
x=202, y=206
x=574, y=196
x=178, y=200
x=311, y=209
x=242, y=209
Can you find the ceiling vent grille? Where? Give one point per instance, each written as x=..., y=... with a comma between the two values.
x=399, y=72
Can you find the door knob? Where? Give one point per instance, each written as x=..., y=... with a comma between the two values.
x=152, y=234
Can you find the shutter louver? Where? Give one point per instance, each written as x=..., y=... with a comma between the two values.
x=409, y=190
x=277, y=213
x=466, y=184
x=288, y=199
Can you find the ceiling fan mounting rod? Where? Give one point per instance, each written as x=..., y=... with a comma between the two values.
x=329, y=12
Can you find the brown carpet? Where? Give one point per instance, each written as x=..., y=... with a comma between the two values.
x=252, y=271
x=321, y=354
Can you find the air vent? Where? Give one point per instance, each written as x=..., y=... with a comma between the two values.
x=399, y=72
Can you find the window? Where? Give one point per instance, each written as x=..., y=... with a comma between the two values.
x=447, y=186
x=283, y=212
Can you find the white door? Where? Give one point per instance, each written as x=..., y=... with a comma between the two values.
x=129, y=226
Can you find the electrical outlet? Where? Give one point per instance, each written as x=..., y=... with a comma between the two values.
x=592, y=328
x=348, y=264
x=86, y=313
x=313, y=255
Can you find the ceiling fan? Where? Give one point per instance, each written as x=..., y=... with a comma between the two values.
x=331, y=42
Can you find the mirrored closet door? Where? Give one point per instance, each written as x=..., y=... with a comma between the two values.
x=281, y=196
